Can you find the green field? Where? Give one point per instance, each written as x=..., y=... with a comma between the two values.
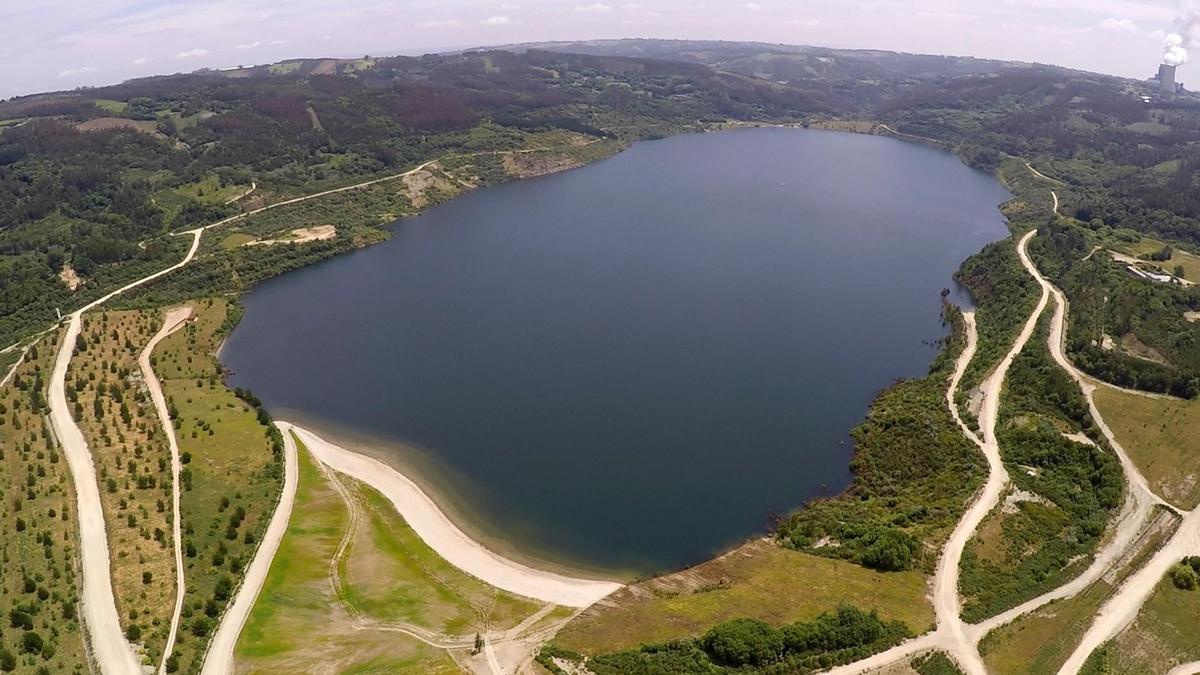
x=298, y=624
x=759, y=580
x=1162, y=437
x=1038, y=643
x=1163, y=636
x=391, y=575
x=231, y=475
x=1190, y=262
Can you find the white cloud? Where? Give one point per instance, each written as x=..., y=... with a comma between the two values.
x=510, y=7
x=594, y=8
x=1123, y=25
x=249, y=45
x=804, y=23
x=448, y=23
x=78, y=71
x=753, y=6
x=140, y=61
x=497, y=21
x=192, y=53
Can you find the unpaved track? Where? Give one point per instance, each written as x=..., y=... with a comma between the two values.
x=175, y=319
x=110, y=650
x=219, y=659
x=1122, y=608
x=946, y=602
x=1186, y=669
x=445, y=538
x=1041, y=175
x=952, y=635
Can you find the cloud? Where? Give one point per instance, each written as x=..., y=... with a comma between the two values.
x=78, y=71
x=140, y=61
x=448, y=23
x=804, y=23
x=249, y=45
x=192, y=53
x=1121, y=25
x=594, y=8
x=753, y=6
x=497, y=21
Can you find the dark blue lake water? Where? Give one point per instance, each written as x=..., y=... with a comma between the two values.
x=632, y=364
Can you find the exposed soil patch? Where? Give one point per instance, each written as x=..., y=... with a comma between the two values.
x=417, y=186
x=70, y=277
x=529, y=165
x=300, y=236
x=1133, y=346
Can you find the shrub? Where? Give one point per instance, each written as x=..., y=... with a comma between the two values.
x=744, y=642
x=1184, y=577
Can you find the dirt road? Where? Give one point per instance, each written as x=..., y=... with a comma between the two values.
x=219, y=660
x=110, y=650
x=174, y=320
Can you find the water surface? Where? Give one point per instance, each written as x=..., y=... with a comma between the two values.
x=633, y=364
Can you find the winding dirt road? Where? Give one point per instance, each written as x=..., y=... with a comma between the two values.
x=174, y=320
x=112, y=653
x=219, y=659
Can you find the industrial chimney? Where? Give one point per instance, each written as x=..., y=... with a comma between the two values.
x=1166, y=80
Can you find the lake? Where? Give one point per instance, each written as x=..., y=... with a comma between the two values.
x=630, y=366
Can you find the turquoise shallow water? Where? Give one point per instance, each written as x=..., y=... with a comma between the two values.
x=635, y=363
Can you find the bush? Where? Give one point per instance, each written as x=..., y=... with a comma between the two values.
x=891, y=551
x=744, y=642
x=1184, y=577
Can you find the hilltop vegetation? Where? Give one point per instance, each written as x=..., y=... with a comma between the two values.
x=100, y=198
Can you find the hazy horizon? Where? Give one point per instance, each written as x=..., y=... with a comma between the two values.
x=59, y=45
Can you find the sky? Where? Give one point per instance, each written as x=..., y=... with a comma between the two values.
x=63, y=44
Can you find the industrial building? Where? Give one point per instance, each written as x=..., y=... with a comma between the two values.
x=1165, y=81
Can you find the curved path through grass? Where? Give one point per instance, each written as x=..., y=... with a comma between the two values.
x=175, y=319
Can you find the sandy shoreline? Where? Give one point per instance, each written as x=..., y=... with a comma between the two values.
x=445, y=538
x=452, y=492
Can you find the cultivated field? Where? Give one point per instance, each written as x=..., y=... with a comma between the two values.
x=37, y=515
x=113, y=408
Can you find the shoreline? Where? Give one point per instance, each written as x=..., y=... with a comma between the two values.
x=448, y=491
x=438, y=532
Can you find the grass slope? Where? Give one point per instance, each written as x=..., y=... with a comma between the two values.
x=1162, y=437
x=759, y=580
x=231, y=475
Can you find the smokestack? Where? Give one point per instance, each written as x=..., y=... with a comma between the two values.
x=1166, y=79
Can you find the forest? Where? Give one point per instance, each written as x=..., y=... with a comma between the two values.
x=93, y=181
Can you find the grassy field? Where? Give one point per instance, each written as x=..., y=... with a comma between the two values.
x=390, y=575
x=38, y=588
x=1163, y=636
x=1189, y=261
x=231, y=475
x=1162, y=437
x=298, y=625
x=759, y=580
x=1038, y=643
x=114, y=410
x=236, y=239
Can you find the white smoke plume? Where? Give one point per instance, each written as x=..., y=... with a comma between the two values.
x=1186, y=35
x=1174, y=53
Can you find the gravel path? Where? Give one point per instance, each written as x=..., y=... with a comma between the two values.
x=175, y=319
